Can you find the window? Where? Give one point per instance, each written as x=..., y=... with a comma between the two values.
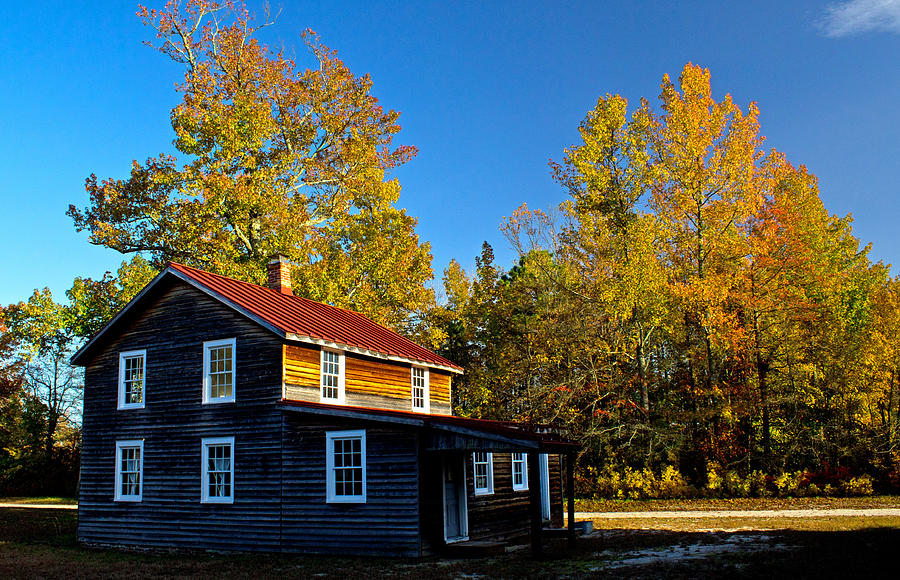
x=345, y=464
x=217, y=480
x=483, y=472
x=420, y=389
x=519, y=471
x=218, y=371
x=131, y=379
x=332, y=376
x=129, y=469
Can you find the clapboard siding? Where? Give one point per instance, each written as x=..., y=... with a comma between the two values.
x=504, y=515
x=172, y=327
x=501, y=515
x=368, y=382
x=439, y=384
x=387, y=524
x=555, y=467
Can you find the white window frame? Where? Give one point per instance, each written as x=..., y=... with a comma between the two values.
x=205, y=444
x=207, y=386
x=330, y=495
x=142, y=354
x=342, y=374
x=522, y=462
x=426, y=391
x=489, y=461
x=129, y=444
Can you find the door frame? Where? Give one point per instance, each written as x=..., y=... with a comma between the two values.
x=544, y=464
x=462, y=499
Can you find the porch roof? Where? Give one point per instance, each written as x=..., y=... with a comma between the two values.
x=450, y=433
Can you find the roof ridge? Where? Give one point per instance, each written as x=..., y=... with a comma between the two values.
x=315, y=320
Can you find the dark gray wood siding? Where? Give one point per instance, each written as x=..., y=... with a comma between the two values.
x=555, y=467
x=172, y=327
x=501, y=515
x=387, y=524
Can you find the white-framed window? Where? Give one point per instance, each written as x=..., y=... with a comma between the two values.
x=345, y=466
x=132, y=375
x=420, y=395
x=218, y=371
x=217, y=472
x=332, y=376
x=129, y=470
x=519, y=471
x=483, y=472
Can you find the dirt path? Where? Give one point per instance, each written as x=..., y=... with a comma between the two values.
x=807, y=513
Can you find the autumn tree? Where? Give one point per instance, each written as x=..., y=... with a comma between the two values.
x=10, y=366
x=721, y=313
x=43, y=328
x=271, y=158
x=95, y=302
x=609, y=240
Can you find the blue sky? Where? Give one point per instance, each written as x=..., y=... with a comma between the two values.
x=489, y=92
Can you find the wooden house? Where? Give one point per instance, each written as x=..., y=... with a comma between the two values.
x=227, y=416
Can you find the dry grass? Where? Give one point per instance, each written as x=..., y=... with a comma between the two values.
x=40, y=544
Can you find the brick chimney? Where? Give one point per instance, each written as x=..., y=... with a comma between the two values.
x=279, y=270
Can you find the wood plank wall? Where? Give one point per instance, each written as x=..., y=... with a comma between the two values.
x=503, y=515
x=387, y=524
x=172, y=329
x=369, y=382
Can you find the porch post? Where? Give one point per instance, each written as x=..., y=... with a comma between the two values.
x=570, y=487
x=534, y=505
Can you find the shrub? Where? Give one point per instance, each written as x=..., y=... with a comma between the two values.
x=630, y=483
x=857, y=486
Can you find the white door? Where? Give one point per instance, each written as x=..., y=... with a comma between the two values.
x=456, y=516
x=545, y=485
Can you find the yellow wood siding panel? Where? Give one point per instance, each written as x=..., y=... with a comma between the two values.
x=377, y=378
x=439, y=384
x=366, y=377
x=301, y=366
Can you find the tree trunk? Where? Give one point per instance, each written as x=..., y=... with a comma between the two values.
x=762, y=371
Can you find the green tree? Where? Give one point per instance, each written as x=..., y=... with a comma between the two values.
x=95, y=302
x=43, y=329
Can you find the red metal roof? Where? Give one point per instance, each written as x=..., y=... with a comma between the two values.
x=308, y=320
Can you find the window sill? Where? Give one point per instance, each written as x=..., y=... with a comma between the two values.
x=218, y=401
x=349, y=500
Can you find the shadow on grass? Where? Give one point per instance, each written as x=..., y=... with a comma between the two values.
x=41, y=543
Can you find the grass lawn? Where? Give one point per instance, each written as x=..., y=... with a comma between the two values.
x=41, y=543
x=40, y=500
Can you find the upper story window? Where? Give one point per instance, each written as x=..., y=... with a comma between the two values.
x=218, y=371
x=217, y=479
x=129, y=470
x=345, y=464
x=420, y=389
x=519, y=471
x=332, y=381
x=132, y=365
x=484, y=472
